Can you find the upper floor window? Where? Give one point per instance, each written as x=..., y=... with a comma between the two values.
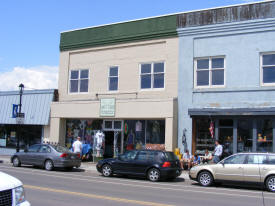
x=79, y=81
x=268, y=69
x=113, y=79
x=152, y=75
x=209, y=72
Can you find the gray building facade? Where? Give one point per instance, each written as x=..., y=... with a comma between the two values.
x=227, y=78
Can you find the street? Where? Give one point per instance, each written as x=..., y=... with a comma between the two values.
x=80, y=187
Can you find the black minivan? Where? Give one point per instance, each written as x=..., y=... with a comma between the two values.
x=153, y=164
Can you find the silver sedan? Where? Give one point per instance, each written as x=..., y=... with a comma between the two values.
x=47, y=156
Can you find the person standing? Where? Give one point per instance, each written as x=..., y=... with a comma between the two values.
x=217, y=152
x=77, y=146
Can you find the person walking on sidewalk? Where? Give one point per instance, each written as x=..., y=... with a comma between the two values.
x=77, y=146
x=217, y=152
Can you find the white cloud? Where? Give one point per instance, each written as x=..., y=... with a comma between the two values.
x=40, y=77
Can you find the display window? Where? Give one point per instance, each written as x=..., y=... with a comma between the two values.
x=85, y=129
x=203, y=138
x=264, y=135
x=245, y=135
x=144, y=134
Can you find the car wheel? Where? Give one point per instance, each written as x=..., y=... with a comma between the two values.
x=153, y=175
x=48, y=165
x=270, y=183
x=16, y=162
x=205, y=178
x=107, y=170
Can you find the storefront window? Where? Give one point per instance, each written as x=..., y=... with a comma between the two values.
x=204, y=140
x=226, y=135
x=264, y=135
x=155, y=132
x=144, y=134
x=82, y=128
x=245, y=135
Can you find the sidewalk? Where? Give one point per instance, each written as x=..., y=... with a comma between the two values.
x=87, y=166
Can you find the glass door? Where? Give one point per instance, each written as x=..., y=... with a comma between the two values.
x=226, y=135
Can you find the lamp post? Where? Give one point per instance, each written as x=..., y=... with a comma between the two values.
x=20, y=116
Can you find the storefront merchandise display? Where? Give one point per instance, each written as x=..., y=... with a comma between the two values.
x=99, y=143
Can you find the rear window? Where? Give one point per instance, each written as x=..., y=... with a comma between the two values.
x=61, y=149
x=271, y=159
x=170, y=156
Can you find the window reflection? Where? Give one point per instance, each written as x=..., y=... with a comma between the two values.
x=245, y=135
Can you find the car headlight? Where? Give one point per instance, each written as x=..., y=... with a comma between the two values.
x=19, y=195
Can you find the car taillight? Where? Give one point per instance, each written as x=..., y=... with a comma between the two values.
x=166, y=164
x=78, y=155
x=64, y=155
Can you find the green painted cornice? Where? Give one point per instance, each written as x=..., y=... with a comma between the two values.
x=146, y=29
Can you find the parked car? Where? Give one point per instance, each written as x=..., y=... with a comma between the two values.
x=154, y=165
x=241, y=168
x=12, y=191
x=47, y=156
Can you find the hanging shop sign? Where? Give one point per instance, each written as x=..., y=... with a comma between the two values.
x=107, y=107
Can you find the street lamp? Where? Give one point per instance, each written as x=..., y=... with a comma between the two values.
x=20, y=116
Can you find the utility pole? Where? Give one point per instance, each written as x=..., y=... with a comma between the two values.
x=20, y=116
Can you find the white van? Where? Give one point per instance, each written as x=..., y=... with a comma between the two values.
x=11, y=191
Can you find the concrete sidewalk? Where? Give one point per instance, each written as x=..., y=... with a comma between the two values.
x=87, y=166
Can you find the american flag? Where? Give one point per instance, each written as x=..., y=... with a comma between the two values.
x=211, y=129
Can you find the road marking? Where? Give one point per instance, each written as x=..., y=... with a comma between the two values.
x=119, y=180
x=102, y=197
x=192, y=189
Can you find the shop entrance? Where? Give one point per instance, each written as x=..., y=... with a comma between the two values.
x=113, y=138
x=109, y=144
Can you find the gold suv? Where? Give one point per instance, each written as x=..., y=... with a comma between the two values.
x=243, y=168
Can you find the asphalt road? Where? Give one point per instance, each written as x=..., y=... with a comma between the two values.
x=80, y=187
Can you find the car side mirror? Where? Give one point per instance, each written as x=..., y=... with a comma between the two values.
x=222, y=162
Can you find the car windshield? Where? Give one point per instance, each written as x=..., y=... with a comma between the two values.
x=170, y=156
x=60, y=149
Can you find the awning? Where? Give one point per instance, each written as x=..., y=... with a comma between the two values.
x=35, y=105
x=231, y=111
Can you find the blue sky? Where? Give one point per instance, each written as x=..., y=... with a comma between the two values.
x=30, y=30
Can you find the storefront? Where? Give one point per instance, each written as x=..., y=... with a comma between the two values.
x=35, y=126
x=119, y=135
x=237, y=133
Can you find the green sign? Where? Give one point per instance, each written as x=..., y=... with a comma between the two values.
x=107, y=107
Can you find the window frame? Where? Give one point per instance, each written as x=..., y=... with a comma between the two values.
x=261, y=69
x=210, y=69
x=152, y=75
x=79, y=80
x=108, y=86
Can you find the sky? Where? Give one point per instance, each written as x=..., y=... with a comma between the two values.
x=30, y=31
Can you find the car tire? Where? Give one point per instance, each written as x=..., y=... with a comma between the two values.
x=48, y=165
x=16, y=162
x=107, y=170
x=270, y=183
x=153, y=174
x=205, y=179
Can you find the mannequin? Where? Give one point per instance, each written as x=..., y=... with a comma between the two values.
x=130, y=141
x=99, y=142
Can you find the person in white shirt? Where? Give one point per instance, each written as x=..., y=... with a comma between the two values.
x=77, y=146
x=207, y=157
x=186, y=160
x=217, y=152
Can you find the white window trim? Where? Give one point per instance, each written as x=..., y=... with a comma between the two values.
x=210, y=72
x=261, y=70
x=108, y=82
x=69, y=82
x=152, y=76
x=113, y=125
